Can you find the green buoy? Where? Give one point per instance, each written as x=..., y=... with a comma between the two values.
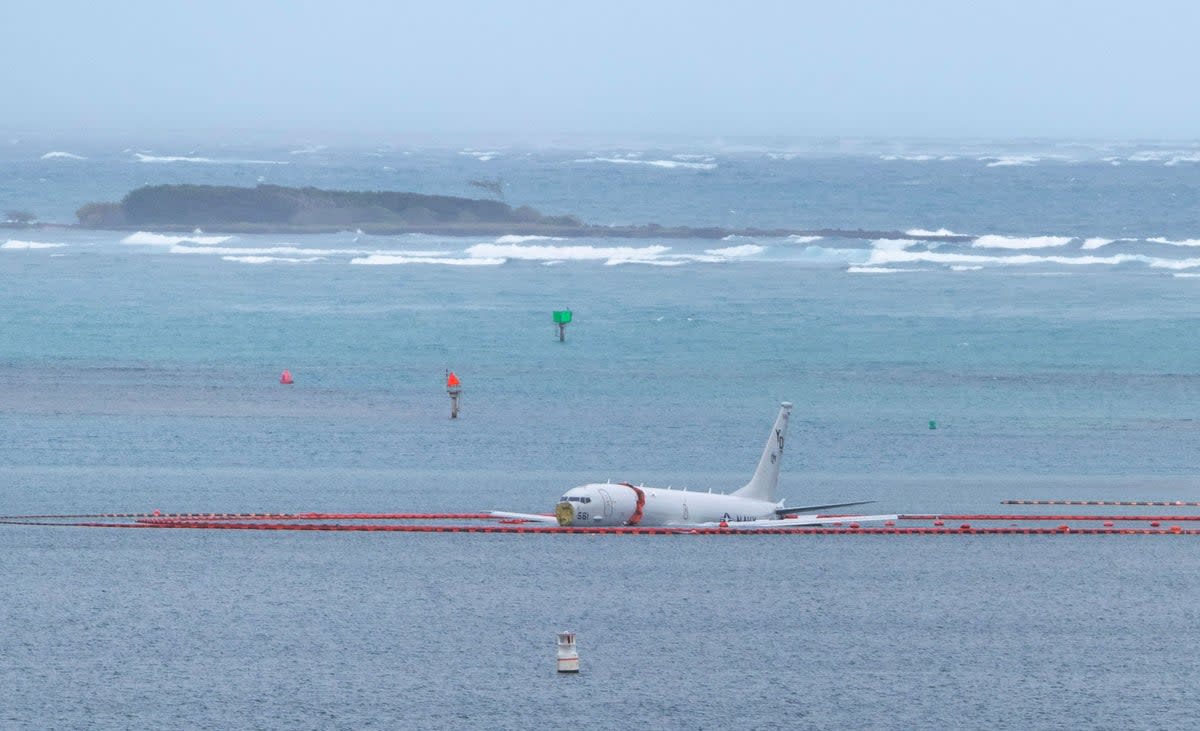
x=562, y=318
x=932, y=424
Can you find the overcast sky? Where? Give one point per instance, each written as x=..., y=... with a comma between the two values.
x=1009, y=69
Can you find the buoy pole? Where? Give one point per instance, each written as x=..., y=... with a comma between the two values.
x=454, y=389
x=568, y=654
x=562, y=318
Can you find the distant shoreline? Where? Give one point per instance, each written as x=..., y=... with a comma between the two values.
x=275, y=209
x=650, y=231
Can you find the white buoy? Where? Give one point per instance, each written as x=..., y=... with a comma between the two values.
x=568, y=655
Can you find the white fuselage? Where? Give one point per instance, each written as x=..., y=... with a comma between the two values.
x=624, y=504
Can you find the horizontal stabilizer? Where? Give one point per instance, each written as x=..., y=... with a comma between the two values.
x=531, y=517
x=810, y=508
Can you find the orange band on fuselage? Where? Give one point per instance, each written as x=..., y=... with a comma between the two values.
x=641, y=504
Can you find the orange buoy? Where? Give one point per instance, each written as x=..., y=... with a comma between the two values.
x=286, y=377
x=1064, y=528
x=1176, y=529
x=723, y=524
x=452, y=380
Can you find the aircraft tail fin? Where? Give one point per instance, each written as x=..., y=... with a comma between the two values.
x=765, y=483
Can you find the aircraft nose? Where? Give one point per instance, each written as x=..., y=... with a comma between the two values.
x=565, y=512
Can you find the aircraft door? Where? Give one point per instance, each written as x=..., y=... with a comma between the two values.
x=608, y=502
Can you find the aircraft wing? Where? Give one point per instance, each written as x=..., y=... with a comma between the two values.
x=531, y=517
x=803, y=520
x=810, y=508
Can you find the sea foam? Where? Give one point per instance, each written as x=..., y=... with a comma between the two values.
x=1095, y=243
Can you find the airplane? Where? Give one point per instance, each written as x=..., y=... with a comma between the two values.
x=755, y=505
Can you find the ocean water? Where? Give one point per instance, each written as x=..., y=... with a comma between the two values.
x=1056, y=350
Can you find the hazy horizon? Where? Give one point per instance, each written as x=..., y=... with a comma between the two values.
x=540, y=72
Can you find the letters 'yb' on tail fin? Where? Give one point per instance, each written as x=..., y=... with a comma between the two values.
x=765, y=483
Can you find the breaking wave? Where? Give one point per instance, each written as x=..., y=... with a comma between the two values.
x=515, y=239
x=269, y=259
x=927, y=232
x=28, y=245
x=58, y=155
x=1010, y=161
x=649, y=262
x=141, y=157
x=653, y=163
x=795, y=239
x=290, y=250
x=731, y=252
x=146, y=238
x=992, y=241
x=1174, y=242
x=1095, y=243
x=881, y=257
x=909, y=158
x=876, y=270
x=574, y=253
x=393, y=259
x=480, y=155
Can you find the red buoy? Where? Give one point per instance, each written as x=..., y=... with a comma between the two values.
x=1154, y=524
x=286, y=377
x=965, y=526
x=939, y=522
x=1064, y=528
x=452, y=380
x=1108, y=524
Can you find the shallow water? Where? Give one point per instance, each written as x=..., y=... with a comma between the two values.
x=133, y=378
